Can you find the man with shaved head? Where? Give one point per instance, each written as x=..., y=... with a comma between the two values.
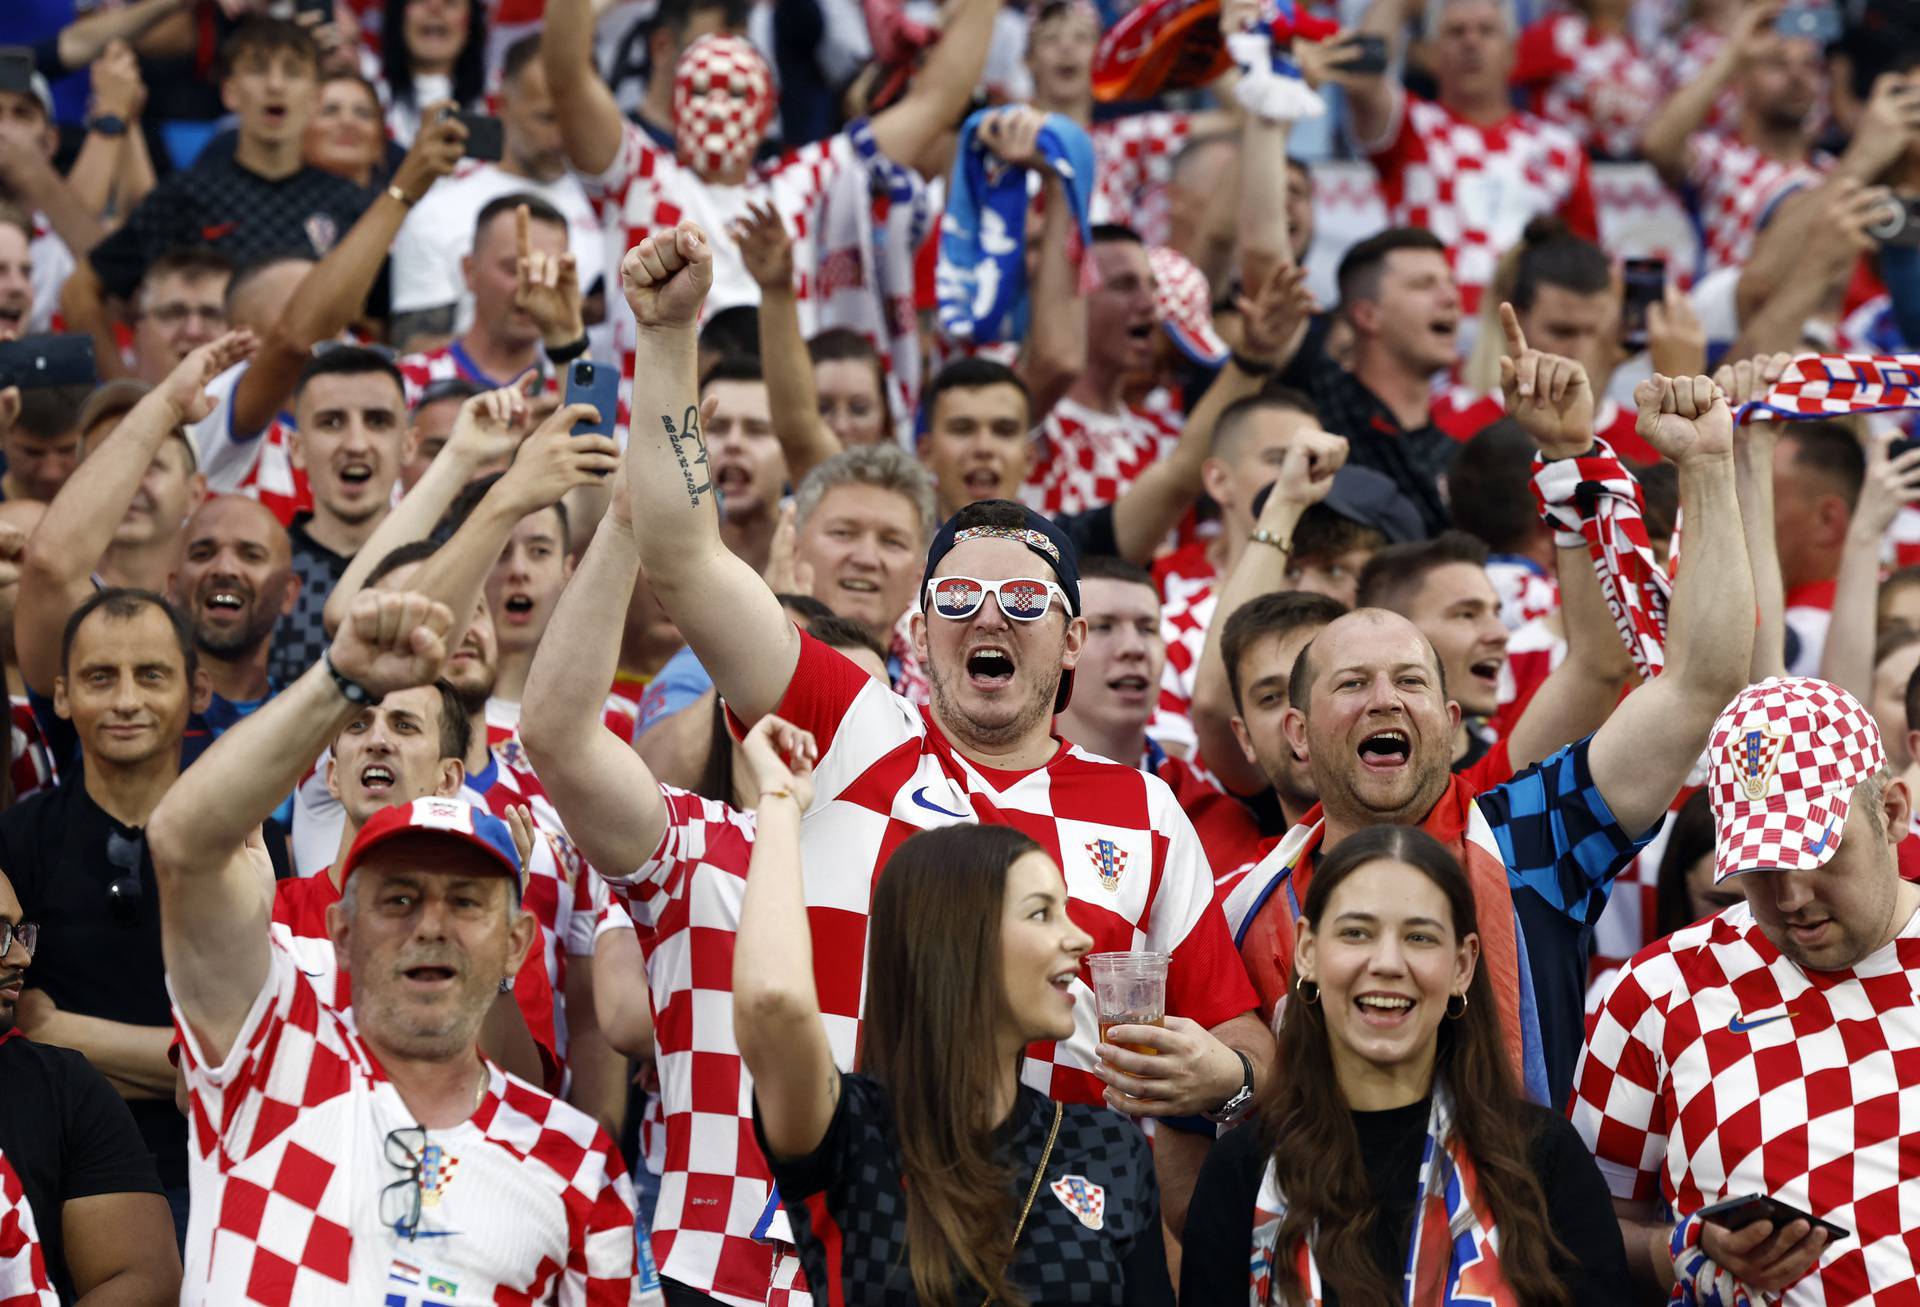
x=233, y=582
x=1370, y=713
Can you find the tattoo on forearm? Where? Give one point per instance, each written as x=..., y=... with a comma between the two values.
x=693, y=471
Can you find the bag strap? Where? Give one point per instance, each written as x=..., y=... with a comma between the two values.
x=1033, y=1190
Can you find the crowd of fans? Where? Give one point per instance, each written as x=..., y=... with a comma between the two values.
x=603, y=601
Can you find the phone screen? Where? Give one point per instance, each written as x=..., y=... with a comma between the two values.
x=1738, y=1213
x=1644, y=283
x=485, y=138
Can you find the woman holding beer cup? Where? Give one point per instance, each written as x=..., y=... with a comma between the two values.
x=933, y=1175
x=1393, y=1159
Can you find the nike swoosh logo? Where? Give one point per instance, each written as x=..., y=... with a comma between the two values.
x=1739, y=1026
x=1825, y=835
x=920, y=797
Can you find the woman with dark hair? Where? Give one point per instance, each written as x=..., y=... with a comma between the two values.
x=1394, y=1160
x=431, y=50
x=933, y=1176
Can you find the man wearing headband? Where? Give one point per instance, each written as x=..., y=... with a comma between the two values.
x=334, y=1156
x=1769, y=1049
x=999, y=632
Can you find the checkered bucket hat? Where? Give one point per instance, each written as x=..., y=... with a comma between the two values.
x=1184, y=303
x=1785, y=757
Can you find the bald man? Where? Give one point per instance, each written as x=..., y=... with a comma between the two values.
x=233, y=581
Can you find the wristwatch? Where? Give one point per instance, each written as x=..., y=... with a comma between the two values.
x=1234, y=1108
x=107, y=124
x=352, y=691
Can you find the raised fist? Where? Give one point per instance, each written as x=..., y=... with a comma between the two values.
x=391, y=640
x=1685, y=419
x=666, y=277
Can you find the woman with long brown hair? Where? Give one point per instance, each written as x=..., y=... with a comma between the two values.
x=1394, y=1160
x=933, y=1176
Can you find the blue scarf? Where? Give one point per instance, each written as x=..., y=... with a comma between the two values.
x=982, y=277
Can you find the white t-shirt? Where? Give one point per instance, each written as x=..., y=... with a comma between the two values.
x=439, y=233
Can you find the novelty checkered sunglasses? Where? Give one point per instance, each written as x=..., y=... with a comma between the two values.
x=1022, y=598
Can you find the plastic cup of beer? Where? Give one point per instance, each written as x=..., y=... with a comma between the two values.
x=1129, y=989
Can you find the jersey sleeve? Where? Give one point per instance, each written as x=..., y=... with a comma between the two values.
x=637, y=161
x=828, y=693
x=600, y=1256
x=1398, y=144
x=102, y=1150
x=1536, y=55
x=226, y=455
x=1557, y=834
x=425, y=274
x=1206, y=980
x=1619, y=1101
x=694, y=825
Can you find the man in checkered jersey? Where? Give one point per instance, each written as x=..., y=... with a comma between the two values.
x=332, y=1162
x=1465, y=166
x=723, y=103
x=1770, y=1048
x=999, y=667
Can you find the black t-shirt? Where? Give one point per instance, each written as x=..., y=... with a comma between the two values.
x=245, y=216
x=96, y=957
x=1219, y=1237
x=67, y=1135
x=300, y=637
x=849, y=1195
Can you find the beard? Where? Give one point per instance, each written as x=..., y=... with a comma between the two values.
x=945, y=693
x=232, y=643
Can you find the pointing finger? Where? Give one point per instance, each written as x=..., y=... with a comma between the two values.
x=1510, y=324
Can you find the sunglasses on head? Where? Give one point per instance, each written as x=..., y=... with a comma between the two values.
x=1022, y=598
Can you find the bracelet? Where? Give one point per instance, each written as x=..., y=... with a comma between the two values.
x=1253, y=367
x=352, y=691
x=1266, y=537
x=568, y=352
x=400, y=195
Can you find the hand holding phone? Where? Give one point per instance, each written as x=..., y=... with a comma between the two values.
x=1369, y=53
x=596, y=384
x=33, y=361
x=1767, y=1244
x=486, y=139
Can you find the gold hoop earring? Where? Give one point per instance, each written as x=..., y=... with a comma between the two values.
x=1453, y=1013
x=1300, y=987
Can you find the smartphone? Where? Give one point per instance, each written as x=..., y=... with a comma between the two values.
x=1738, y=1213
x=1901, y=226
x=1818, y=23
x=1370, y=54
x=33, y=361
x=16, y=70
x=485, y=140
x=1645, y=283
x=596, y=384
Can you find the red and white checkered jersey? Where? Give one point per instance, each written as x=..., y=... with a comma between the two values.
x=1133, y=162
x=1528, y=592
x=1533, y=652
x=1187, y=604
x=1136, y=876
x=451, y=361
x=1597, y=85
x=1085, y=458
x=1716, y=1067
x=1684, y=61
x=33, y=768
x=526, y=1201
x=715, y=1186
x=23, y=1266
x=619, y=714
x=299, y=925
x=646, y=189
x=259, y=467
x=1476, y=187
x=1733, y=188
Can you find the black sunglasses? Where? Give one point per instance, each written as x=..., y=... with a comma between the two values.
x=400, y=1201
x=124, y=891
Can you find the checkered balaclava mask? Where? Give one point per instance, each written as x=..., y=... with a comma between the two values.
x=722, y=104
x=1786, y=756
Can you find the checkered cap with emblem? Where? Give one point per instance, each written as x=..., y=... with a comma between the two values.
x=722, y=103
x=1785, y=756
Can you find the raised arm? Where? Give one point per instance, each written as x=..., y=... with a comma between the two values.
x=31, y=176
x=1641, y=757
x=1306, y=476
x=591, y=124
x=776, y=1009
x=1664, y=140
x=805, y=438
x=334, y=291
x=942, y=88
x=56, y=572
x=1371, y=97
x=213, y=919
x=724, y=610
x=83, y=41
x=112, y=174
x=1891, y=484
x=1265, y=244
x=1817, y=249
x=1552, y=398
x=604, y=793
x=1055, y=352
x=1753, y=446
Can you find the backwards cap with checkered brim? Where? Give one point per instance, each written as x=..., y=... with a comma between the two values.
x=446, y=819
x=1785, y=757
x=1184, y=304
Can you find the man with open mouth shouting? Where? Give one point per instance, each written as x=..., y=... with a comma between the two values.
x=1373, y=710
x=999, y=630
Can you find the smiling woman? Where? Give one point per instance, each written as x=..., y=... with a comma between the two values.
x=1393, y=1117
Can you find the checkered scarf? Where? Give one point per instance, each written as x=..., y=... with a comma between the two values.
x=722, y=104
x=982, y=274
x=1594, y=500
x=1453, y=1253
x=1699, y=1281
x=1825, y=385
